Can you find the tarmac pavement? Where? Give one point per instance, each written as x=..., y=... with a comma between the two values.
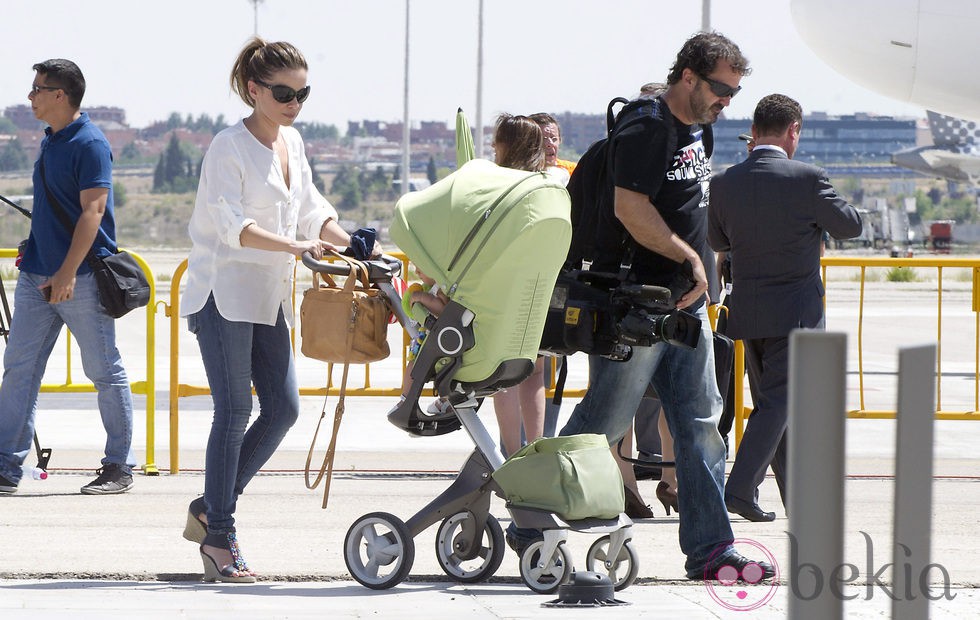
x=125, y=556
x=69, y=555
x=72, y=555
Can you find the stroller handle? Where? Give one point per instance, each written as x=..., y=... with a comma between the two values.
x=381, y=269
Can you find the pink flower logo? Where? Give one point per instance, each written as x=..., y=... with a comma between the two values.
x=743, y=590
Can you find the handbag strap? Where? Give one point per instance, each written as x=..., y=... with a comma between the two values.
x=359, y=270
x=58, y=210
x=326, y=467
x=63, y=216
x=358, y=274
x=327, y=280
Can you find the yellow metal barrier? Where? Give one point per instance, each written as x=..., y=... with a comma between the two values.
x=863, y=264
x=937, y=263
x=178, y=389
x=147, y=387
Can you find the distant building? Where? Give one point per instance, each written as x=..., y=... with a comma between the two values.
x=111, y=120
x=579, y=131
x=857, y=138
x=105, y=117
x=23, y=117
x=381, y=141
x=857, y=144
x=847, y=139
x=428, y=132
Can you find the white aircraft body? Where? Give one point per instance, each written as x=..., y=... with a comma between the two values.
x=924, y=52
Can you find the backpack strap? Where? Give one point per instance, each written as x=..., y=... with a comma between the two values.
x=611, y=117
x=560, y=380
x=629, y=244
x=671, y=142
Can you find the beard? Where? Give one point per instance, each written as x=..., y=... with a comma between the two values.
x=703, y=111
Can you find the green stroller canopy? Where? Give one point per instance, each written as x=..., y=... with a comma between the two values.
x=494, y=239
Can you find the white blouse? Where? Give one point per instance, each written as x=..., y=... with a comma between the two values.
x=241, y=184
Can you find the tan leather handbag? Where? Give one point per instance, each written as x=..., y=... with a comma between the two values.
x=346, y=324
x=342, y=325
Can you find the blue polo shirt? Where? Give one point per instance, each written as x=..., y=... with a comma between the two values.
x=75, y=159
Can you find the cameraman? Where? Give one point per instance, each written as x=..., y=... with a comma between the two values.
x=660, y=202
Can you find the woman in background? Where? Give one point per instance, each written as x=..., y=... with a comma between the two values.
x=518, y=142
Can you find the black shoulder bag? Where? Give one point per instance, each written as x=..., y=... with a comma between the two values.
x=121, y=282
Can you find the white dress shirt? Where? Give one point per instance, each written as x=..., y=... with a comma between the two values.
x=241, y=184
x=770, y=147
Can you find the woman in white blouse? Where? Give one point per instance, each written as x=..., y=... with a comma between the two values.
x=256, y=211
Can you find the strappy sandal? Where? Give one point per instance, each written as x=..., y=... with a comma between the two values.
x=196, y=529
x=236, y=571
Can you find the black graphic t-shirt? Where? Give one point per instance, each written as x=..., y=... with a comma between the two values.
x=678, y=188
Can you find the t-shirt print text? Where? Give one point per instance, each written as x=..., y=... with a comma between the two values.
x=690, y=163
x=691, y=166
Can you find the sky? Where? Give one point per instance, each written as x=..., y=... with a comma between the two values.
x=156, y=58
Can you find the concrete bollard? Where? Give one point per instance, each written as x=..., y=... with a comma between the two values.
x=817, y=411
x=913, y=480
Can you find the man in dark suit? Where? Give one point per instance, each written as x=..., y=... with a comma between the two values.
x=769, y=213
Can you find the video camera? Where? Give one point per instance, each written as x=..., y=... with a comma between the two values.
x=598, y=314
x=651, y=318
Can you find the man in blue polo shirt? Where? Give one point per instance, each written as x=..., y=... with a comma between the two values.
x=72, y=215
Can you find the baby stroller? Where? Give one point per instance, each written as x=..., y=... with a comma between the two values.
x=494, y=238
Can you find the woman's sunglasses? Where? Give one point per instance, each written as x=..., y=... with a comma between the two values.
x=285, y=94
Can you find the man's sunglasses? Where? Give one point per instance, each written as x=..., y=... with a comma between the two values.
x=285, y=94
x=35, y=89
x=720, y=89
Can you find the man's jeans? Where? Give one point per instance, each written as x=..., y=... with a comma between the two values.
x=235, y=355
x=685, y=382
x=34, y=331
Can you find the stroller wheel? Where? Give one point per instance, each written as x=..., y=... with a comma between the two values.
x=466, y=555
x=621, y=570
x=544, y=576
x=379, y=550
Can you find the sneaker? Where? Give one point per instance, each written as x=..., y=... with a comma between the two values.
x=7, y=487
x=111, y=480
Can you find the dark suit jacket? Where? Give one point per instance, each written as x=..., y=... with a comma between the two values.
x=770, y=212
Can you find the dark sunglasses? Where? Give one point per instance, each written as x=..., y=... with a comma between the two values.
x=285, y=94
x=720, y=89
x=35, y=89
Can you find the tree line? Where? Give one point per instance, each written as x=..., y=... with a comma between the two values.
x=13, y=156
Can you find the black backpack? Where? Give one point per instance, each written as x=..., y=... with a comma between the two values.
x=583, y=314
x=594, y=222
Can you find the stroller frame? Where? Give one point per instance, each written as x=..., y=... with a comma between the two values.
x=379, y=547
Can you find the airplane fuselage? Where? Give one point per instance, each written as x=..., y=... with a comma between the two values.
x=923, y=52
